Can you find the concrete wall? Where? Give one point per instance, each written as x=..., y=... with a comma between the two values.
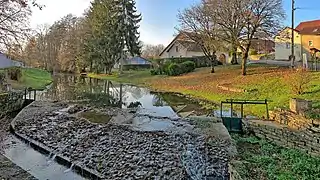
x=193, y=53
x=304, y=140
x=283, y=45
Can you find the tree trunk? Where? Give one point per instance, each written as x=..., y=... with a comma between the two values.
x=234, y=55
x=109, y=70
x=105, y=69
x=244, y=62
x=212, y=60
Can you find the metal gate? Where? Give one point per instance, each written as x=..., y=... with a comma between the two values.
x=234, y=124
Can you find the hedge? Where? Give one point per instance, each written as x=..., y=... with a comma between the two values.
x=174, y=69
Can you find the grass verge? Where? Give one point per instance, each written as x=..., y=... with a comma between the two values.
x=259, y=159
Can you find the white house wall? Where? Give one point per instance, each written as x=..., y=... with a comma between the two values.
x=193, y=53
x=283, y=45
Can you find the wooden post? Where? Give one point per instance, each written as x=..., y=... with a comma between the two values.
x=221, y=110
x=25, y=93
x=231, y=109
x=241, y=110
x=34, y=94
x=266, y=101
x=120, y=103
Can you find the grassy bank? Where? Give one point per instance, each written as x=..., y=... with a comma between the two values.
x=262, y=82
x=133, y=77
x=259, y=159
x=34, y=78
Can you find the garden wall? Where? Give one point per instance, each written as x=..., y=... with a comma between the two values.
x=282, y=135
x=11, y=101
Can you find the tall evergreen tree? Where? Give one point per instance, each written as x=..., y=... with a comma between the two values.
x=105, y=43
x=130, y=20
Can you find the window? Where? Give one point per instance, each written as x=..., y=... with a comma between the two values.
x=177, y=48
x=288, y=46
x=310, y=43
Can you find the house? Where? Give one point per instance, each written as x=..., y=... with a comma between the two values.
x=263, y=45
x=135, y=63
x=5, y=62
x=181, y=46
x=306, y=40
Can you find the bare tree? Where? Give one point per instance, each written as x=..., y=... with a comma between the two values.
x=262, y=17
x=14, y=18
x=196, y=24
x=240, y=21
x=152, y=51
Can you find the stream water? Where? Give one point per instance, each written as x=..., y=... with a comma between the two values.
x=95, y=92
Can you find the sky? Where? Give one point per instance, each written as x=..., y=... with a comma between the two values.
x=159, y=17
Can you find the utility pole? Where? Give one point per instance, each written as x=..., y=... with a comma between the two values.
x=292, y=35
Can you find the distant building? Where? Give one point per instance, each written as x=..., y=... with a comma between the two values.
x=135, y=62
x=306, y=41
x=5, y=62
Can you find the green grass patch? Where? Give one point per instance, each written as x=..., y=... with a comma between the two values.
x=133, y=77
x=34, y=78
x=263, y=160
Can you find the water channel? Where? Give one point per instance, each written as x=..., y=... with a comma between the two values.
x=98, y=93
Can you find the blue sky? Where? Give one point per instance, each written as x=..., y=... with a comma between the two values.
x=159, y=16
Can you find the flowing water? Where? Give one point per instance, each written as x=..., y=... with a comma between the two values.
x=99, y=93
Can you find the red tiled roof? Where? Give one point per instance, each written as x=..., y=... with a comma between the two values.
x=308, y=24
x=311, y=30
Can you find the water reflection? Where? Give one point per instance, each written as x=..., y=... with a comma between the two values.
x=106, y=93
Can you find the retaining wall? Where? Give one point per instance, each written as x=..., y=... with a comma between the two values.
x=282, y=135
x=10, y=102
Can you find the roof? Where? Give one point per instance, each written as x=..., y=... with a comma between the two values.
x=308, y=24
x=184, y=39
x=137, y=60
x=190, y=45
x=311, y=30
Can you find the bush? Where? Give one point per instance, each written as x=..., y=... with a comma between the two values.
x=299, y=81
x=2, y=77
x=154, y=72
x=14, y=73
x=174, y=69
x=188, y=66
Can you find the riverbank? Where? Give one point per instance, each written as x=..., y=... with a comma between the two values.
x=262, y=82
x=31, y=77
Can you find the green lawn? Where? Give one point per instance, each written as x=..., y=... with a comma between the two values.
x=34, y=78
x=262, y=82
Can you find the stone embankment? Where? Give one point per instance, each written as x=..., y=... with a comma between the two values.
x=10, y=101
x=129, y=146
x=302, y=139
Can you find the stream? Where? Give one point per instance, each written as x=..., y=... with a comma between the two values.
x=98, y=93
